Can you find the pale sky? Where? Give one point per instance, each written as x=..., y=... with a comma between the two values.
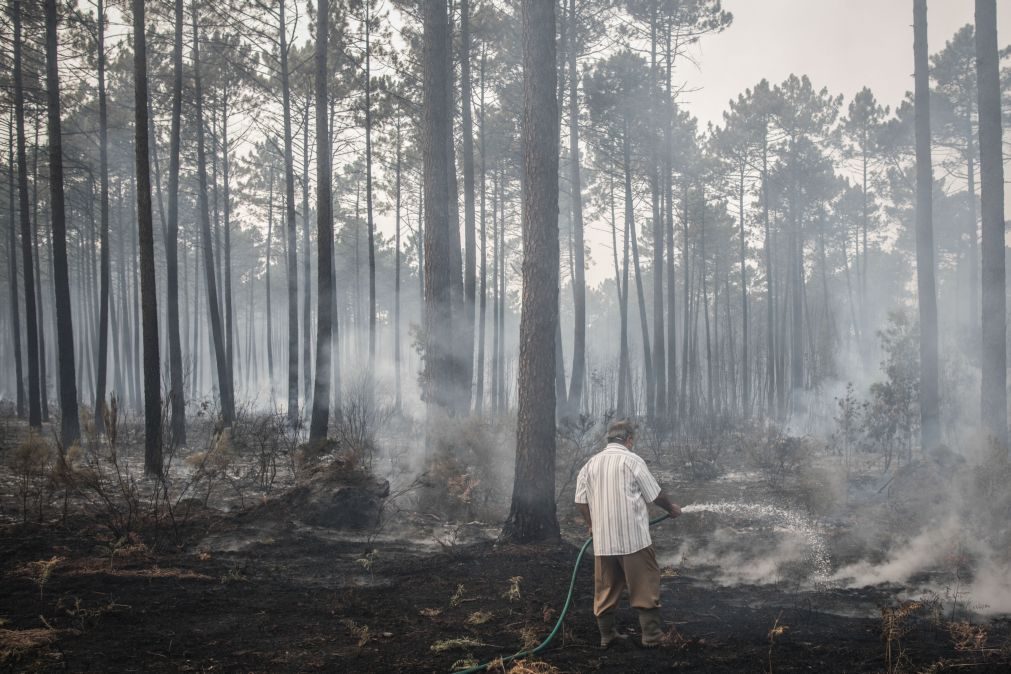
x=840, y=44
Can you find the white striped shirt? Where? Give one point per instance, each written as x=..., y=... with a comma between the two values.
x=616, y=485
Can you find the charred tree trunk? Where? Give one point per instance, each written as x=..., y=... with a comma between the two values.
x=994, y=324
x=12, y=271
x=532, y=514
x=578, y=375
x=320, y=419
x=438, y=315
x=145, y=233
x=481, y=321
x=469, y=226
x=306, y=281
x=270, y=317
x=289, y=192
x=370, y=376
x=31, y=319
x=930, y=427
x=177, y=400
x=217, y=338
x=70, y=427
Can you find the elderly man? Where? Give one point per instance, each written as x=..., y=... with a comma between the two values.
x=612, y=491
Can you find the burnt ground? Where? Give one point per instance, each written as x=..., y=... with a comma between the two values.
x=296, y=598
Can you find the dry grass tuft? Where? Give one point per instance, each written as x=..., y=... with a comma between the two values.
x=513, y=593
x=454, y=644
x=479, y=617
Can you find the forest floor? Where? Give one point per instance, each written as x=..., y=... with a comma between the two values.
x=227, y=593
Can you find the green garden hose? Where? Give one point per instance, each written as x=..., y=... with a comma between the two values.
x=558, y=624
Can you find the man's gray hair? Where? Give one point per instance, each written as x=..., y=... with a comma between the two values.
x=621, y=431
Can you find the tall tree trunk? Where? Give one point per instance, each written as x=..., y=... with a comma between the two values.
x=396, y=280
x=320, y=418
x=930, y=426
x=227, y=254
x=306, y=281
x=483, y=308
x=438, y=318
x=31, y=319
x=496, y=299
x=972, y=253
x=289, y=192
x=177, y=400
x=368, y=207
x=12, y=270
x=994, y=289
x=270, y=317
x=648, y=373
x=469, y=226
x=745, y=325
x=70, y=426
x=145, y=233
x=623, y=359
x=217, y=338
x=658, y=402
x=578, y=375
x=532, y=513
x=40, y=306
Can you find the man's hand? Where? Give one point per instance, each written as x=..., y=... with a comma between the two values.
x=584, y=510
x=672, y=509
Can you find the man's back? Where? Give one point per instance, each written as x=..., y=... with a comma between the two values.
x=616, y=485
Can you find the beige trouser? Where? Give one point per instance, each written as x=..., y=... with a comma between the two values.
x=638, y=571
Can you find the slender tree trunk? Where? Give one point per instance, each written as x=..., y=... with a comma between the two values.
x=104, y=264
x=70, y=427
x=177, y=400
x=532, y=514
x=12, y=268
x=270, y=317
x=438, y=369
x=227, y=256
x=972, y=253
x=320, y=419
x=469, y=225
x=396, y=281
x=31, y=319
x=578, y=376
x=217, y=338
x=745, y=324
x=306, y=281
x=43, y=378
x=994, y=325
x=623, y=359
x=496, y=299
x=289, y=191
x=149, y=304
x=930, y=427
x=483, y=302
x=648, y=373
x=368, y=207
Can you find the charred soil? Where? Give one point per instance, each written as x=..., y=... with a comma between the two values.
x=303, y=599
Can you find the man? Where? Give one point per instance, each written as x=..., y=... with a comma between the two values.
x=612, y=491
